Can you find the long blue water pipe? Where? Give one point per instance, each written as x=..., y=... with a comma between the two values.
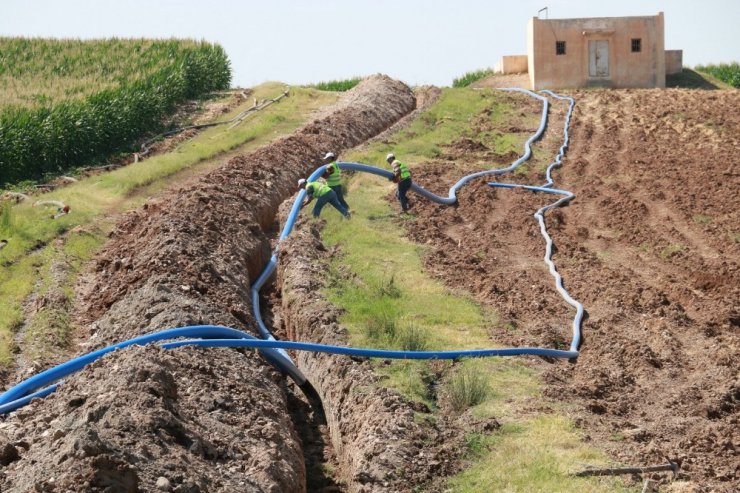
x=274, y=351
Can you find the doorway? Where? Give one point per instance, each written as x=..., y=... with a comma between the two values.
x=598, y=58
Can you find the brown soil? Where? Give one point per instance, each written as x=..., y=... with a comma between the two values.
x=379, y=444
x=192, y=420
x=650, y=246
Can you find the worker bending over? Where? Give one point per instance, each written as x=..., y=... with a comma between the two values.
x=323, y=195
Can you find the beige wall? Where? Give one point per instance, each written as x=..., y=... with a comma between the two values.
x=514, y=64
x=626, y=69
x=673, y=61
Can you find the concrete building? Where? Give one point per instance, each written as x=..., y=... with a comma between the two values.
x=595, y=52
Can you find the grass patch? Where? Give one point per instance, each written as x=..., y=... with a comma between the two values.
x=701, y=219
x=671, y=251
x=469, y=77
x=729, y=73
x=534, y=455
x=453, y=117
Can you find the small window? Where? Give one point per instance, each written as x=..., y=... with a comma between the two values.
x=560, y=47
x=636, y=45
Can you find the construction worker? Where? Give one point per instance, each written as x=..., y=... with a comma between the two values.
x=323, y=195
x=401, y=176
x=333, y=177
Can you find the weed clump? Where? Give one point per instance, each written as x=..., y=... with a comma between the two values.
x=466, y=388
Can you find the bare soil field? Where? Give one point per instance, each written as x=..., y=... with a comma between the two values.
x=650, y=246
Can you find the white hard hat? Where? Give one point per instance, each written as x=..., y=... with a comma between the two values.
x=390, y=157
x=329, y=155
x=301, y=182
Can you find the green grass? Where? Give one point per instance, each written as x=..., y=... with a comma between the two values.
x=377, y=278
x=452, y=118
x=31, y=232
x=337, y=85
x=535, y=455
x=469, y=77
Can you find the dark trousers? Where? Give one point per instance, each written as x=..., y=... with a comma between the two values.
x=329, y=198
x=340, y=196
x=403, y=188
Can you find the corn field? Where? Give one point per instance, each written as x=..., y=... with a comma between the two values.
x=728, y=73
x=64, y=103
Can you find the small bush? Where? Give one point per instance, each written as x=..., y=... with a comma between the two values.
x=467, y=388
x=411, y=337
x=471, y=77
x=338, y=85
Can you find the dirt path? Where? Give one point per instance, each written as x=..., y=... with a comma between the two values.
x=196, y=419
x=650, y=246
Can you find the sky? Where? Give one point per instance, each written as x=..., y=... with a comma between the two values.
x=417, y=41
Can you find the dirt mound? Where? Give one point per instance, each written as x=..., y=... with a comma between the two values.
x=649, y=246
x=184, y=420
x=189, y=259
x=379, y=444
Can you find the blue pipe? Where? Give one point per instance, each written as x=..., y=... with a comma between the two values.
x=56, y=373
x=540, y=216
x=273, y=350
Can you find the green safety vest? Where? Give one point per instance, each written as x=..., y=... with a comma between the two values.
x=405, y=173
x=317, y=189
x=334, y=179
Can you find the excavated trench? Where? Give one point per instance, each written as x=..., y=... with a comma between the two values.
x=189, y=419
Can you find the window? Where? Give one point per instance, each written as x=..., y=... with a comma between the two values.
x=636, y=45
x=560, y=47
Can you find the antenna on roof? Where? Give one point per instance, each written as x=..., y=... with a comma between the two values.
x=546, y=12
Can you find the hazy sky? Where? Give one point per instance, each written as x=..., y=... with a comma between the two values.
x=417, y=41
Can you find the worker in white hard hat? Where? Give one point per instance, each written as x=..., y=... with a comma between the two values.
x=333, y=177
x=323, y=195
x=401, y=176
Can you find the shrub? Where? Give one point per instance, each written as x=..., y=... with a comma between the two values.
x=411, y=337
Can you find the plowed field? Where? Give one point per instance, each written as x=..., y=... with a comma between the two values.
x=650, y=246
